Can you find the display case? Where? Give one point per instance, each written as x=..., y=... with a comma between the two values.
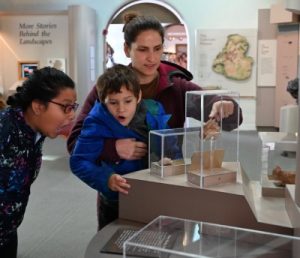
x=174, y=237
x=213, y=150
x=278, y=164
x=166, y=156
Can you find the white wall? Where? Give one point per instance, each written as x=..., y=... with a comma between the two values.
x=49, y=42
x=209, y=14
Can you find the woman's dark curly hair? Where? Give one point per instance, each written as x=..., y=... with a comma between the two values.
x=43, y=85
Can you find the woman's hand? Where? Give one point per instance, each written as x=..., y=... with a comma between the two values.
x=118, y=183
x=221, y=109
x=130, y=149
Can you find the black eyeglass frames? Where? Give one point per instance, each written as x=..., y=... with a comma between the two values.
x=67, y=108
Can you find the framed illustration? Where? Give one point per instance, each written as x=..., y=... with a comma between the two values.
x=227, y=58
x=26, y=68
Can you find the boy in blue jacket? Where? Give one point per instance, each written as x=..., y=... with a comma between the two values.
x=119, y=113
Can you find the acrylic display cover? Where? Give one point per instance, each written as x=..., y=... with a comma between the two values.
x=214, y=149
x=199, y=239
x=278, y=162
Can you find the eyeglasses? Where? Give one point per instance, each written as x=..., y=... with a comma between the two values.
x=67, y=108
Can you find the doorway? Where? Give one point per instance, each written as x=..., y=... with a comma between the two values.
x=176, y=34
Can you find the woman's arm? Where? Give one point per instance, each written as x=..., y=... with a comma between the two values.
x=213, y=107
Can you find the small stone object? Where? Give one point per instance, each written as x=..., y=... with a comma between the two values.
x=165, y=162
x=285, y=177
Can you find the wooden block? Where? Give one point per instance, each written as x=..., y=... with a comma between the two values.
x=176, y=168
x=270, y=189
x=210, y=159
x=218, y=177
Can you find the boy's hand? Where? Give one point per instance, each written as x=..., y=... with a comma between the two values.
x=221, y=109
x=130, y=149
x=118, y=183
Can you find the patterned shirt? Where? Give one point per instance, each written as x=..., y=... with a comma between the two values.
x=20, y=161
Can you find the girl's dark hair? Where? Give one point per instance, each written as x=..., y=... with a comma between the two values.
x=43, y=85
x=135, y=24
x=112, y=80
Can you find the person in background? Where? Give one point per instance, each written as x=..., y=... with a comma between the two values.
x=293, y=88
x=40, y=108
x=181, y=59
x=159, y=80
x=109, y=55
x=2, y=102
x=120, y=113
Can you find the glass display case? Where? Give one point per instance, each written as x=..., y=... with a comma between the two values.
x=166, y=156
x=278, y=164
x=214, y=150
x=174, y=237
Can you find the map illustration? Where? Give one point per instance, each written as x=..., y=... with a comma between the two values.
x=232, y=61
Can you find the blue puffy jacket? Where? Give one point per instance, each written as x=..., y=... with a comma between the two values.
x=100, y=125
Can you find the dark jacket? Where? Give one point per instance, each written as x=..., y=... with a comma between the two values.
x=100, y=125
x=20, y=162
x=174, y=82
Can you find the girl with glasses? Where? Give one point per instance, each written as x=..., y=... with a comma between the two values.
x=41, y=107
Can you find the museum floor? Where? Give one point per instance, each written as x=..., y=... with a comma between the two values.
x=61, y=216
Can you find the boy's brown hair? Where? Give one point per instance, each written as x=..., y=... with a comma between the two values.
x=114, y=78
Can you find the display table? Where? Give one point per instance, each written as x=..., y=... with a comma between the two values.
x=239, y=204
x=216, y=239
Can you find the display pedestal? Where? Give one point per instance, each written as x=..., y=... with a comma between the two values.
x=292, y=208
x=293, y=211
x=238, y=204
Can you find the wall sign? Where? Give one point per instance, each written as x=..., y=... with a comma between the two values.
x=266, y=63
